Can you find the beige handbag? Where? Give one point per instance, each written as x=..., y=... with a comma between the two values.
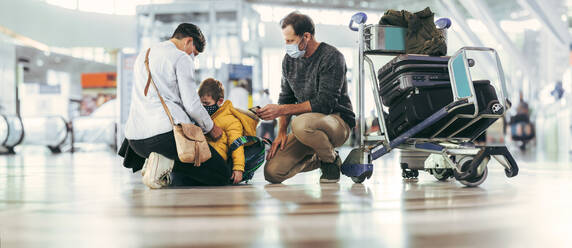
x=192, y=147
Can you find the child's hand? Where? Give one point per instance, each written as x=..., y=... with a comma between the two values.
x=236, y=176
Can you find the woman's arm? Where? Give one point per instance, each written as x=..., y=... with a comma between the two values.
x=184, y=69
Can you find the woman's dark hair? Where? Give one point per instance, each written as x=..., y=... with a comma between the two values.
x=300, y=22
x=185, y=30
x=213, y=88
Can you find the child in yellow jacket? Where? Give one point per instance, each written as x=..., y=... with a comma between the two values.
x=234, y=124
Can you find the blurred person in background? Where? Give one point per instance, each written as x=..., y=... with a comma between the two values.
x=239, y=95
x=521, y=127
x=267, y=127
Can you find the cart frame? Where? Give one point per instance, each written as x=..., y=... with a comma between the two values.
x=456, y=156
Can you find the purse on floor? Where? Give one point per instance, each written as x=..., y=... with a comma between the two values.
x=192, y=147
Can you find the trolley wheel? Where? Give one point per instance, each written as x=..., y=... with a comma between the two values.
x=494, y=107
x=442, y=174
x=361, y=178
x=408, y=173
x=473, y=182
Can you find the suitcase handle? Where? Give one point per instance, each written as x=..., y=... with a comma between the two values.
x=461, y=81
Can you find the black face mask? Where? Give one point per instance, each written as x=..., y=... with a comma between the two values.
x=211, y=109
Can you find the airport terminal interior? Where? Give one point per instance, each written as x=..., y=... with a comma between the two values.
x=448, y=123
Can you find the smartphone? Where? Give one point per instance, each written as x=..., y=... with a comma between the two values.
x=254, y=109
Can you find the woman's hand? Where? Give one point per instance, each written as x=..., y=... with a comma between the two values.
x=236, y=176
x=280, y=141
x=215, y=133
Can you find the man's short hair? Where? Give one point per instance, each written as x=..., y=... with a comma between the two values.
x=211, y=87
x=300, y=23
x=185, y=30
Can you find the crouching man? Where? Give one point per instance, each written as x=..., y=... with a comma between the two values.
x=314, y=88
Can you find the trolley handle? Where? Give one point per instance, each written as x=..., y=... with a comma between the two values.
x=443, y=23
x=359, y=18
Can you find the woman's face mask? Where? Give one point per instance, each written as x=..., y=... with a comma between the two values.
x=293, y=49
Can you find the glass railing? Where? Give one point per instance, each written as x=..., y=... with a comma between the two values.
x=49, y=131
x=54, y=132
x=11, y=132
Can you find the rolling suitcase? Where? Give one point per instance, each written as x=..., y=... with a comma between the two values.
x=407, y=82
x=403, y=73
x=411, y=109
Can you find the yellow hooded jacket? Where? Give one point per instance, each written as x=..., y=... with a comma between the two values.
x=234, y=123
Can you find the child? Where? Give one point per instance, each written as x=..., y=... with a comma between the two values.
x=233, y=123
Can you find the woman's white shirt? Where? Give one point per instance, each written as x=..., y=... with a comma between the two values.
x=173, y=73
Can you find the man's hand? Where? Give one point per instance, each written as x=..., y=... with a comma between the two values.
x=236, y=176
x=280, y=141
x=270, y=112
x=215, y=133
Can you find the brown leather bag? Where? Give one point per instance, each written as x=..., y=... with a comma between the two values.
x=192, y=147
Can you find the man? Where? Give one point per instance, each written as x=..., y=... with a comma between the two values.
x=313, y=87
x=148, y=129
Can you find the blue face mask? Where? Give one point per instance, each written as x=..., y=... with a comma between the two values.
x=211, y=109
x=293, y=51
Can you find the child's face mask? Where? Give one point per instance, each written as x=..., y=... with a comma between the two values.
x=211, y=109
x=210, y=104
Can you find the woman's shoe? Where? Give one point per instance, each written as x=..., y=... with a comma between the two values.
x=157, y=170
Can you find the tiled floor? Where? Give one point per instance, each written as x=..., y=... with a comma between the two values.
x=89, y=200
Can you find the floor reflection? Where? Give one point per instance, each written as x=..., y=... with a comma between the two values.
x=88, y=199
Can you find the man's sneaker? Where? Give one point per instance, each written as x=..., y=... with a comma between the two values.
x=331, y=171
x=157, y=171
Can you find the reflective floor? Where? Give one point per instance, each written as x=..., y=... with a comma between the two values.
x=88, y=199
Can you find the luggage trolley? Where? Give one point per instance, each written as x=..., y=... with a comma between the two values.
x=449, y=146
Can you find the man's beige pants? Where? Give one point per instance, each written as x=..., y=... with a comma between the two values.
x=313, y=139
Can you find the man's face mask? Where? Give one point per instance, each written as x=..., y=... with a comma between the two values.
x=293, y=49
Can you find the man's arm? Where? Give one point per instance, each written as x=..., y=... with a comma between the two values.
x=330, y=84
x=184, y=69
x=287, y=101
x=282, y=138
x=283, y=123
x=332, y=75
x=296, y=109
x=273, y=111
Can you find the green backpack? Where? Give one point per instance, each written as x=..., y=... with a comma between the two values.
x=254, y=153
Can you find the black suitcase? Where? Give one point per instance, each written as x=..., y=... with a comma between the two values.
x=392, y=84
x=411, y=109
x=408, y=82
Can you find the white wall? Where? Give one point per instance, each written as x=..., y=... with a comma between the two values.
x=336, y=35
x=59, y=27
x=7, y=76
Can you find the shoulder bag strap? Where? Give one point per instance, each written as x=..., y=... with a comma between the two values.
x=242, y=140
x=151, y=81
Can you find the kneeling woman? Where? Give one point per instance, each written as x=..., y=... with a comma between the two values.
x=168, y=67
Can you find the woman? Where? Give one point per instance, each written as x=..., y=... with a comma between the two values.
x=148, y=129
